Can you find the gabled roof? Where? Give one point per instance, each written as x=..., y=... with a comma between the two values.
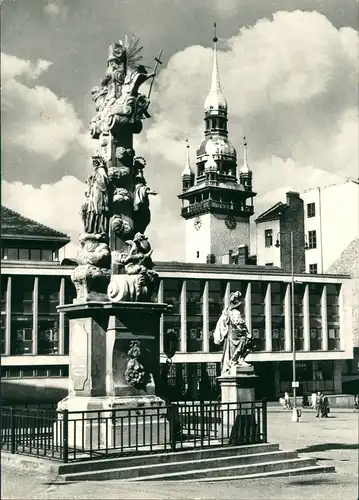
x=15, y=225
x=272, y=213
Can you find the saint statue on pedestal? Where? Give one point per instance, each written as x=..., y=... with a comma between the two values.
x=232, y=330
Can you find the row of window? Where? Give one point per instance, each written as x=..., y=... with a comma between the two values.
x=172, y=293
x=34, y=371
x=35, y=254
x=312, y=238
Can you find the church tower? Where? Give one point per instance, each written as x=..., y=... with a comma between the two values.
x=216, y=202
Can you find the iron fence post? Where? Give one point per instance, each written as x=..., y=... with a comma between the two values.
x=201, y=421
x=65, y=436
x=264, y=407
x=12, y=431
x=173, y=427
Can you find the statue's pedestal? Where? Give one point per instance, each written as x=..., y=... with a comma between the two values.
x=239, y=423
x=107, y=409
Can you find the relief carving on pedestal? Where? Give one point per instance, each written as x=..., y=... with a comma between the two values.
x=136, y=374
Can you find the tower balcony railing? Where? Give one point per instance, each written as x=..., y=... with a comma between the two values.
x=211, y=206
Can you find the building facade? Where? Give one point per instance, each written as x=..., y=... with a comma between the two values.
x=273, y=238
x=331, y=222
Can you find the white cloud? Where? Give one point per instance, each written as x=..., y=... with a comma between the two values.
x=56, y=205
x=55, y=8
x=34, y=118
x=291, y=87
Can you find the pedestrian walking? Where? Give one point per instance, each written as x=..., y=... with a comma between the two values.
x=356, y=402
x=314, y=400
x=305, y=400
x=319, y=404
x=287, y=401
x=325, y=407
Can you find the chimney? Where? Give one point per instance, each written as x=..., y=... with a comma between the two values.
x=292, y=196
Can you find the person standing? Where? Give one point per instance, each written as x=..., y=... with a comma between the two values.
x=286, y=401
x=319, y=404
x=314, y=400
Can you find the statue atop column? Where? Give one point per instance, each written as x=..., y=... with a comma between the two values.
x=231, y=330
x=116, y=211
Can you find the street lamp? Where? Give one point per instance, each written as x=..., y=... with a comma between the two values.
x=295, y=414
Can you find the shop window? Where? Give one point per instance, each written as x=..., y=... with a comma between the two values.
x=315, y=316
x=333, y=317
x=298, y=316
x=216, y=297
x=278, y=326
x=194, y=305
x=258, y=292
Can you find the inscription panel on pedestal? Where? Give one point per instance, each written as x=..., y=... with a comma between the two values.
x=78, y=355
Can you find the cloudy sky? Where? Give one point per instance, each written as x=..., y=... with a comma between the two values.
x=289, y=71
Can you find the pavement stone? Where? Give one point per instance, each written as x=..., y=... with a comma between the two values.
x=333, y=441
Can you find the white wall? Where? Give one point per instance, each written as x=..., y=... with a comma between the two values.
x=214, y=237
x=270, y=255
x=336, y=221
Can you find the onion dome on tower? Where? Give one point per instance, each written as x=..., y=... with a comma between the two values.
x=187, y=174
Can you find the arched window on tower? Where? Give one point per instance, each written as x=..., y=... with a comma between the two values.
x=214, y=123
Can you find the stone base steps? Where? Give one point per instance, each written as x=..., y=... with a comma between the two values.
x=209, y=464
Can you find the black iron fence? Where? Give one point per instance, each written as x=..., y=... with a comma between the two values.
x=72, y=436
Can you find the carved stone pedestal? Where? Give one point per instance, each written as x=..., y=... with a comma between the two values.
x=113, y=369
x=239, y=420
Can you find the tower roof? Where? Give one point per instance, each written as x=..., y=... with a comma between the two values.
x=215, y=100
x=187, y=169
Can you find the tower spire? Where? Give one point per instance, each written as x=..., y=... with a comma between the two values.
x=187, y=169
x=215, y=99
x=245, y=167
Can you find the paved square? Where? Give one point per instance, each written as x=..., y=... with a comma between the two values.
x=333, y=441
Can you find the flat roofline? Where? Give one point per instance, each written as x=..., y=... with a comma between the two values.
x=235, y=269
x=185, y=267
x=34, y=237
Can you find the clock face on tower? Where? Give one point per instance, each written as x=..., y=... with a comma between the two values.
x=230, y=222
x=197, y=223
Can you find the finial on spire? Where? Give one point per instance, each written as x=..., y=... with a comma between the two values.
x=215, y=39
x=244, y=169
x=215, y=100
x=187, y=170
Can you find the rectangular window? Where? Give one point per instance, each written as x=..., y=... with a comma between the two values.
x=24, y=254
x=310, y=210
x=194, y=307
x=313, y=268
x=278, y=293
x=216, y=296
x=46, y=254
x=315, y=316
x=35, y=254
x=258, y=315
x=268, y=237
x=333, y=292
x=12, y=254
x=312, y=237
